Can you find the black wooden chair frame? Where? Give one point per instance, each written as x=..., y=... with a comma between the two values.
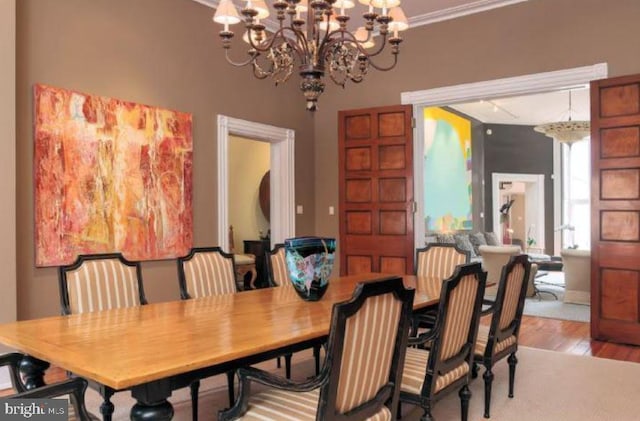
x=427, y=397
x=74, y=387
x=182, y=279
x=328, y=378
x=496, y=335
x=63, y=270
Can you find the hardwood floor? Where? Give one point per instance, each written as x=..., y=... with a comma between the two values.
x=536, y=332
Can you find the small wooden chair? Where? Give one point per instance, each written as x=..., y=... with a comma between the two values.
x=243, y=264
x=499, y=338
x=351, y=385
x=445, y=367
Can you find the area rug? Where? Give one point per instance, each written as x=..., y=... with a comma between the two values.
x=549, y=386
x=546, y=305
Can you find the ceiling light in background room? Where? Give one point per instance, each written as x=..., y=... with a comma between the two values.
x=301, y=39
x=566, y=131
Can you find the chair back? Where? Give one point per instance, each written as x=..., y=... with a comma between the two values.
x=365, y=353
x=451, y=352
x=440, y=260
x=206, y=271
x=509, y=305
x=97, y=282
x=277, y=267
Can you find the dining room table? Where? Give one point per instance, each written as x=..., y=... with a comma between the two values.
x=154, y=349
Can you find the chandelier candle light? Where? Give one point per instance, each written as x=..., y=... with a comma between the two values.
x=319, y=44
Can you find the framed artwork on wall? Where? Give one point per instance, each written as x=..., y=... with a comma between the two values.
x=110, y=176
x=447, y=171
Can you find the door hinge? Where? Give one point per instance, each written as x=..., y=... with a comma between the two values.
x=413, y=122
x=414, y=206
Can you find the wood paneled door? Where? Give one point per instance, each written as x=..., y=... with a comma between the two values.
x=615, y=209
x=376, y=190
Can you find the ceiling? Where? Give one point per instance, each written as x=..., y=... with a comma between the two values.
x=530, y=109
x=524, y=110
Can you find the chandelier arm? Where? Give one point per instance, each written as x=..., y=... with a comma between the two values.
x=240, y=63
x=384, y=69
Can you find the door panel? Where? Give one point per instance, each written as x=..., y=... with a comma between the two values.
x=376, y=190
x=615, y=209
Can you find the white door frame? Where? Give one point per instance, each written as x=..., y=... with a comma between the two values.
x=538, y=181
x=282, y=176
x=512, y=86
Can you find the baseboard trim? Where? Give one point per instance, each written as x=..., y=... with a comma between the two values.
x=577, y=297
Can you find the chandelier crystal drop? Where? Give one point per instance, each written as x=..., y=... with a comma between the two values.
x=313, y=35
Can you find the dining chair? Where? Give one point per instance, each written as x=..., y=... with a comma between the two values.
x=74, y=388
x=205, y=272
x=352, y=384
x=278, y=275
x=439, y=260
x=96, y=282
x=498, y=338
x=430, y=374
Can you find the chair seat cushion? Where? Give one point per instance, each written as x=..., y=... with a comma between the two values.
x=244, y=259
x=415, y=371
x=279, y=405
x=483, y=337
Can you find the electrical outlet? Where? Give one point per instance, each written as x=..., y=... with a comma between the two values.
x=299, y=210
x=332, y=211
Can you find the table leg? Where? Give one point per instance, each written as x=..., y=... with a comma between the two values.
x=152, y=403
x=33, y=370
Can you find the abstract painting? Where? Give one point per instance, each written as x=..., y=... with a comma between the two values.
x=110, y=176
x=447, y=171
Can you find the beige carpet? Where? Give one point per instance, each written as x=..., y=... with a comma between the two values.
x=549, y=386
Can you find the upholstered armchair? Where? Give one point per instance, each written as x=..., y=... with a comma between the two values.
x=576, y=265
x=498, y=337
x=430, y=374
x=74, y=388
x=493, y=260
x=351, y=385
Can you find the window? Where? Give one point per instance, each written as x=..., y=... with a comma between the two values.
x=576, y=187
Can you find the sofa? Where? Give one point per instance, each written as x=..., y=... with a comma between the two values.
x=577, y=275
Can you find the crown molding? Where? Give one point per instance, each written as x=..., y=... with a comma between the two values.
x=419, y=20
x=458, y=11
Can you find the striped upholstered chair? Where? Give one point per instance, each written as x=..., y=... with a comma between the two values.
x=446, y=366
x=440, y=259
x=279, y=277
x=498, y=337
x=73, y=388
x=96, y=282
x=351, y=385
x=206, y=271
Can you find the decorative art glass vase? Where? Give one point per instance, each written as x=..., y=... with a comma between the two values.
x=310, y=261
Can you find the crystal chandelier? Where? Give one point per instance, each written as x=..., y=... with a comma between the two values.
x=566, y=131
x=313, y=35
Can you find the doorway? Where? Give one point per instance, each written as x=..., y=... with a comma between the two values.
x=527, y=191
x=513, y=86
x=282, y=177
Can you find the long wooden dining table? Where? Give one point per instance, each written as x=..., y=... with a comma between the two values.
x=157, y=348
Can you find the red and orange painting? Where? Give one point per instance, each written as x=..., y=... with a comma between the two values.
x=110, y=176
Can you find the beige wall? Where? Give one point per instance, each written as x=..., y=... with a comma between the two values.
x=248, y=162
x=7, y=160
x=161, y=52
x=529, y=37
